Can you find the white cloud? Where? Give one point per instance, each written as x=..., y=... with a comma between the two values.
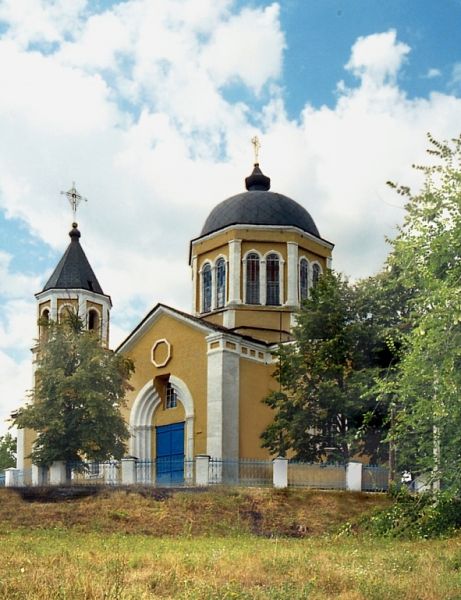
x=15, y=381
x=433, y=73
x=40, y=21
x=377, y=58
x=141, y=124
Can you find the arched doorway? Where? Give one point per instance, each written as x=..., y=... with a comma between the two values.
x=173, y=443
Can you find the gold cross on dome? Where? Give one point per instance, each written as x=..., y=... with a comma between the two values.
x=257, y=145
x=74, y=199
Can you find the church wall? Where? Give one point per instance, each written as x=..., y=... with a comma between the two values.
x=255, y=383
x=188, y=362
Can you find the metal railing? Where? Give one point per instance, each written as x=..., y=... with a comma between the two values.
x=245, y=472
x=375, y=478
x=326, y=476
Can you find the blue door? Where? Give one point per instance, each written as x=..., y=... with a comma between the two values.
x=170, y=453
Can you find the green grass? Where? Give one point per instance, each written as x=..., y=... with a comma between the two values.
x=215, y=545
x=52, y=564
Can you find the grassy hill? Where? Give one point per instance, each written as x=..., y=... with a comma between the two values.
x=264, y=512
x=245, y=544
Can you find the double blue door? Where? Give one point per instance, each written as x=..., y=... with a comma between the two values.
x=170, y=453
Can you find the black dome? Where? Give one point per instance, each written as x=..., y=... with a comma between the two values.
x=259, y=207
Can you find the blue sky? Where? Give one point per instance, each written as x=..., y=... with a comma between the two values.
x=150, y=106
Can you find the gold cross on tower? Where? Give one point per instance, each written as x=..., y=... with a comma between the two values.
x=74, y=199
x=257, y=145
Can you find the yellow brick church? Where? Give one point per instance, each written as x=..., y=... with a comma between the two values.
x=200, y=377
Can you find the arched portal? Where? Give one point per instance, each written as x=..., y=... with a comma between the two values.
x=142, y=414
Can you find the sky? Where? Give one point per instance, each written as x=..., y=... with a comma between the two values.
x=150, y=106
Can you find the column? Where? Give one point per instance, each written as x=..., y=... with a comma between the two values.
x=128, y=470
x=354, y=476
x=262, y=281
x=235, y=263
x=195, y=308
x=292, y=273
x=223, y=400
x=58, y=473
x=202, y=463
x=280, y=472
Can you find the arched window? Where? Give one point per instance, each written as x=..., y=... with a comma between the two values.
x=171, y=400
x=303, y=279
x=44, y=320
x=93, y=320
x=220, y=283
x=315, y=274
x=206, y=288
x=272, y=279
x=252, y=279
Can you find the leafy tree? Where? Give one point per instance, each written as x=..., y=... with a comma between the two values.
x=79, y=392
x=322, y=408
x=427, y=257
x=7, y=451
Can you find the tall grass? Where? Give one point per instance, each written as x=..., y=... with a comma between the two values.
x=63, y=564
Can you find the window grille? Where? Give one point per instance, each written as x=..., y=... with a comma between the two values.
x=206, y=288
x=252, y=279
x=171, y=400
x=303, y=279
x=220, y=283
x=315, y=274
x=272, y=279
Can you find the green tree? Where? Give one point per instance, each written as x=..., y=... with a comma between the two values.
x=322, y=408
x=7, y=451
x=75, y=407
x=426, y=255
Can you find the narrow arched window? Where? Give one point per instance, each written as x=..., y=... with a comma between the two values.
x=206, y=288
x=272, y=279
x=171, y=399
x=44, y=322
x=93, y=320
x=220, y=283
x=252, y=279
x=315, y=274
x=303, y=279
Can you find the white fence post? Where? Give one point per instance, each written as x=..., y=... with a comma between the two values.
x=129, y=470
x=202, y=463
x=280, y=472
x=354, y=476
x=58, y=473
x=12, y=477
x=38, y=475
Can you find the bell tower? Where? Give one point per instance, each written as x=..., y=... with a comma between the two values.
x=73, y=286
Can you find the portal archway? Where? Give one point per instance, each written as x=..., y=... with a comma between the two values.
x=142, y=414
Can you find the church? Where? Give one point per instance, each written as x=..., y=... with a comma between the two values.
x=200, y=377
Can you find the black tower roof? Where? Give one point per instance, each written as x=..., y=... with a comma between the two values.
x=259, y=206
x=73, y=270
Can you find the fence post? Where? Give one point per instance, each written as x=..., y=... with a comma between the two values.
x=202, y=463
x=12, y=477
x=58, y=473
x=280, y=472
x=354, y=476
x=129, y=470
x=38, y=475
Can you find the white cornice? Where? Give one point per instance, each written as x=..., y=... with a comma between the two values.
x=289, y=228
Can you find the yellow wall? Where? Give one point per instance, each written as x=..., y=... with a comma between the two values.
x=255, y=384
x=188, y=363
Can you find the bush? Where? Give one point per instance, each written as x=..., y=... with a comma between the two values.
x=416, y=516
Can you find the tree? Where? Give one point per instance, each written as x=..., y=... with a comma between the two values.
x=322, y=409
x=426, y=255
x=76, y=405
x=7, y=451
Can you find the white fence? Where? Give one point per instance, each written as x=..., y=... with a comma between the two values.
x=206, y=471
